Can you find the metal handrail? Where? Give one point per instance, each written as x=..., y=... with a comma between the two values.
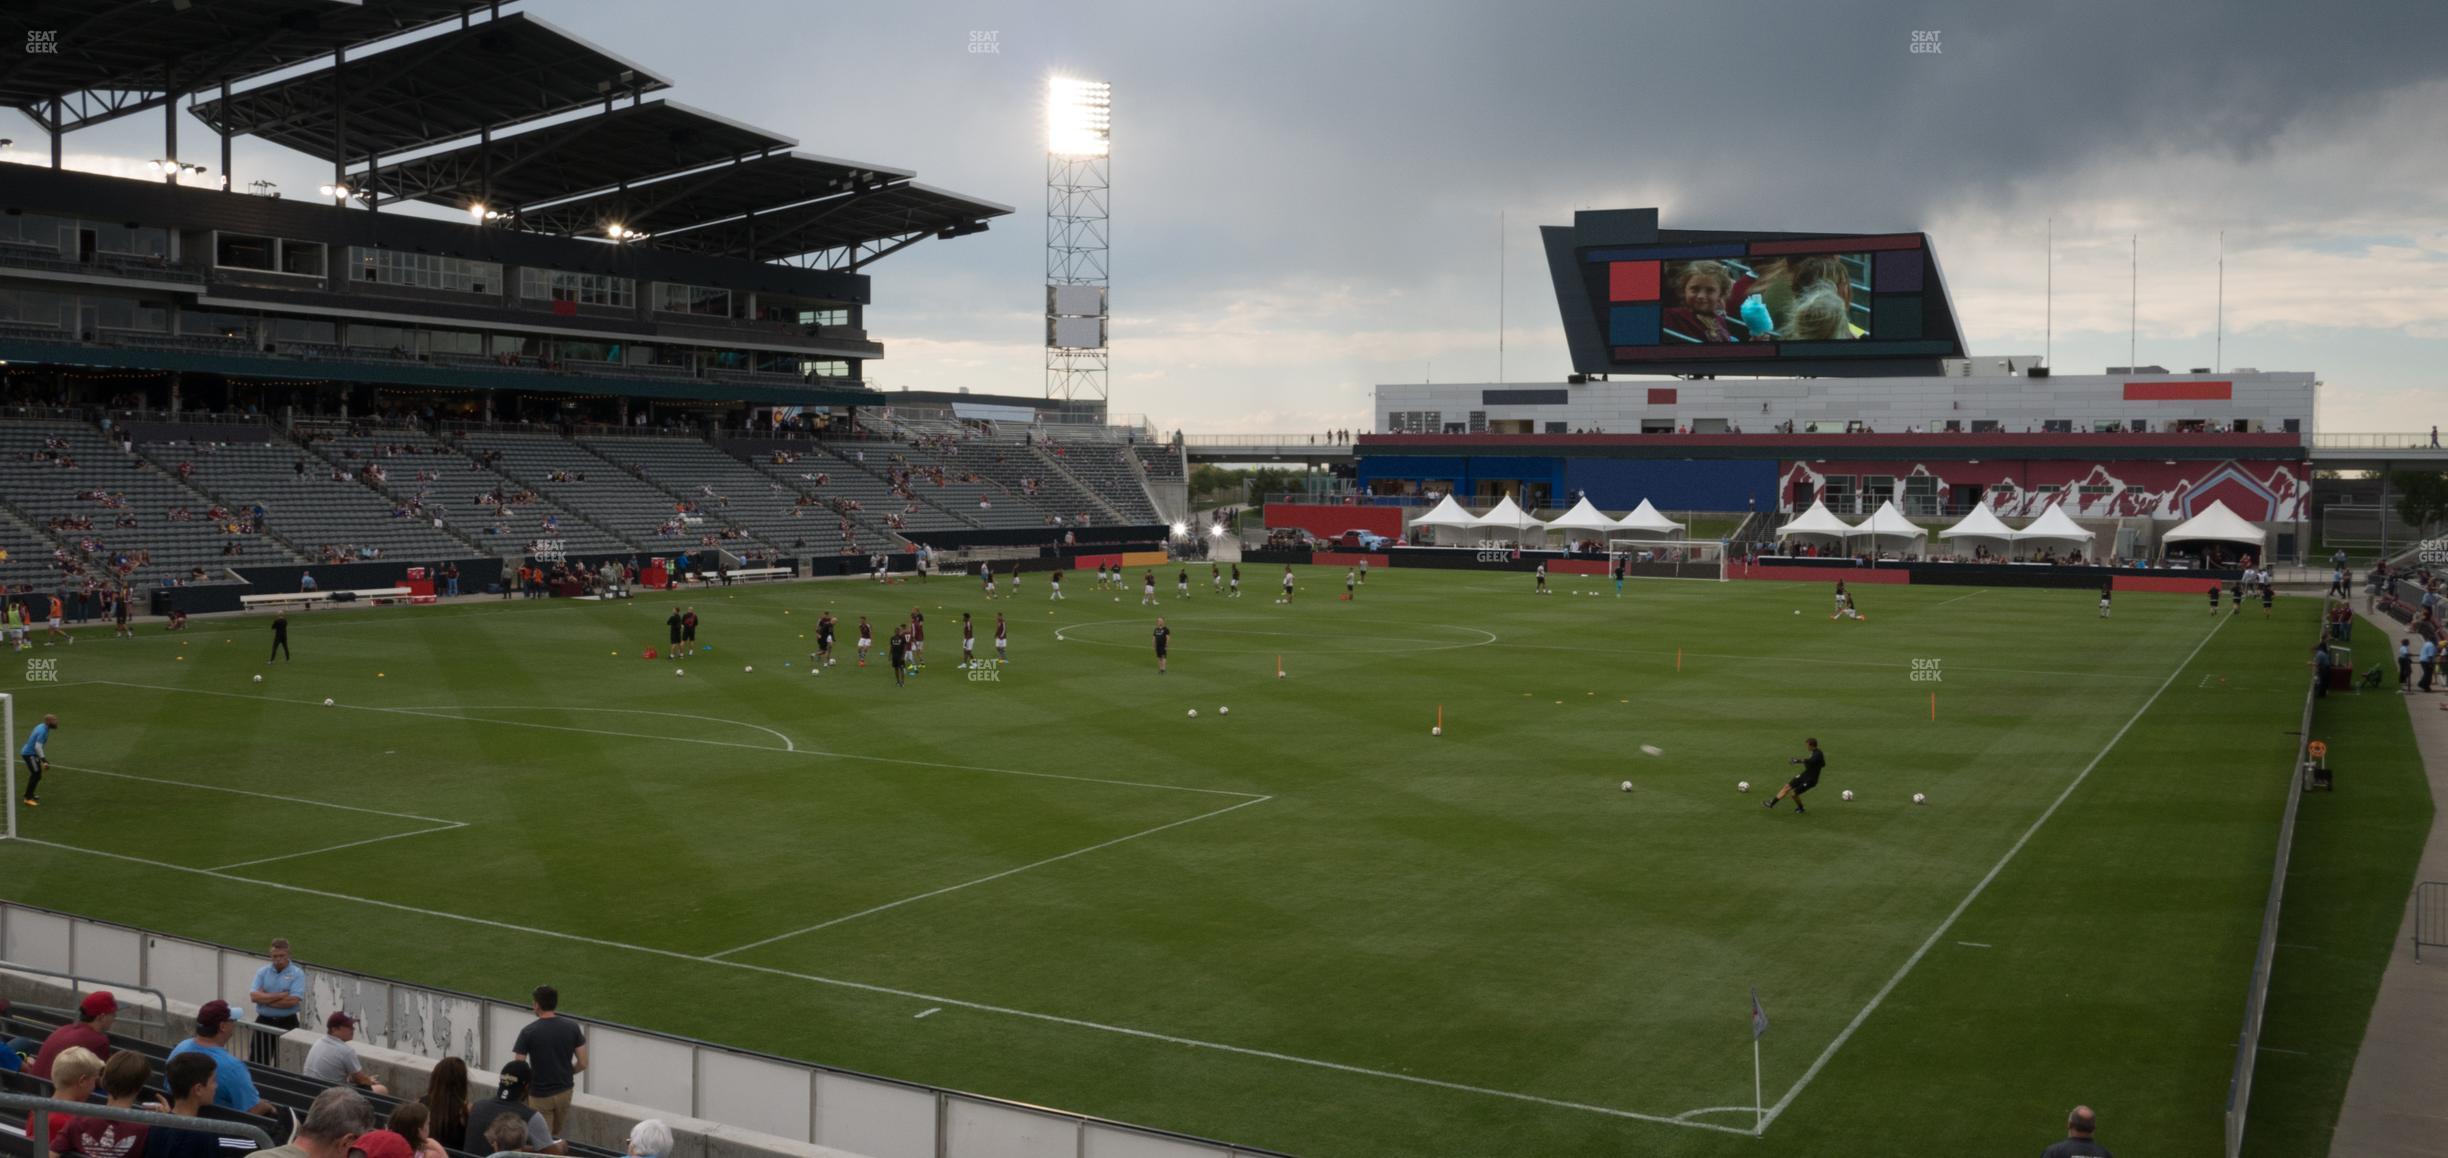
x=41, y=1109
x=97, y=982
x=2418, y=440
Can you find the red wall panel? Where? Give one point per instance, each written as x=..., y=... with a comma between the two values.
x=1326, y=520
x=2179, y=391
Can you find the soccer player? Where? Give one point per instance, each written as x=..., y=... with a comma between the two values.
x=36, y=761
x=1147, y=589
x=900, y=656
x=55, y=631
x=1619, y=576
x=2214, y=594
x=1542, y=579
x=1364, y=570
x=119, y=615
x=2269, y=595
x=1100, y=577
x=1236, y=581
x=688, y=631
x=672, y=650
x=866, y=639
x=1057, y=582
x=917, y=639
x=17, y=626
x=1164, y=635
x=986, y=572
x=1002, y=640
x=280, y=633
x=1844, y=604
x=1351, y=580
x=968, y=642
x=2106, y=588
x=1287, y=583
x=1181, y=584
x=1015, y=584
x=1813, y=763
x=2238, y=594
x=824, y=639
x=1215, y=579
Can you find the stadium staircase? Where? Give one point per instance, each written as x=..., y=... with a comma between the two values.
x=456, y=484
x=628, y=507
x=1058, y=471
x=39, y=490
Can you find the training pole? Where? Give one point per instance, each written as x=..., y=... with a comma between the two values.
x=1933, y=707
x=1678, y=659
x=1440, y=716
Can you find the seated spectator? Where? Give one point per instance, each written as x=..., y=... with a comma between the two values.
x=509, y=1102
x=123, y=1081
x=234, y=1087
x=382, y=1144
x=408, y=1120
x=446, y=1103
x=333, y=1061
x=506, y=1136
x=91, y=1030
x=650, y=1139
x=336, y=1125
x=73, y=1074
x=193, y=1080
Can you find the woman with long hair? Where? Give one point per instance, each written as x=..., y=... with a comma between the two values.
x=409, y=1120
x=446, y=1103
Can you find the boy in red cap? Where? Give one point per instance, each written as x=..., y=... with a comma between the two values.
x=91, y=1029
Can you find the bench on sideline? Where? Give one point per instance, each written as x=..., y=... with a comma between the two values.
x=310, y=598
x=743, y=573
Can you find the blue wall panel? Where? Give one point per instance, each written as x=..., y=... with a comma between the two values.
x=1673, y=484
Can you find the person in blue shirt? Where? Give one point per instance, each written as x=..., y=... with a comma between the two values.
x=35, y=760
x=236, y=1086
x=279, y=989
x=306, y=581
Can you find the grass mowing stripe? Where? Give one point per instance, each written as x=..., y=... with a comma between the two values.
x=1977, y=889
x=259, y=795
x=338, y=847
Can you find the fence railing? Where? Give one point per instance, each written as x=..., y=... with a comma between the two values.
x=38, y=1111
x=1302, y=441
x=2256, y=994
x=2418, y=440
x=794, y=1100
x=2430, y=917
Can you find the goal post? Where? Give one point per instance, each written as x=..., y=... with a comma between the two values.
x=8, y=734
x=1667, y=558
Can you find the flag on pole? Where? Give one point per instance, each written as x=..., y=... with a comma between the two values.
x=1759, y=1016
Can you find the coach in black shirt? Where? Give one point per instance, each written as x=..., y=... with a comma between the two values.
x=2078, y=1143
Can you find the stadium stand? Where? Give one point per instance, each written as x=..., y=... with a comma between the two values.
x=331, y=519
x=833, y=477
x=766, y=507
x=640, y=510
x=503, y=514
x=67, y=479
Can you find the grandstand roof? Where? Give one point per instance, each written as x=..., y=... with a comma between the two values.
x=491, y=74
x=128, y=53
x=908, y=211
x=629, y=145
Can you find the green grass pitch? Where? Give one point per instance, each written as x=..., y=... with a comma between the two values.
x=1308, y=924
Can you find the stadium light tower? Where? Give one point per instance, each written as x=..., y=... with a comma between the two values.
x=1079, y=115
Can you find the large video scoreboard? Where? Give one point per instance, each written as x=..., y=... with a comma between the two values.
x=1640, y=300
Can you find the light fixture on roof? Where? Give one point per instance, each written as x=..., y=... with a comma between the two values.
x=477, y=210
x=1079, y=114
x=616, y=231
x=335, y=192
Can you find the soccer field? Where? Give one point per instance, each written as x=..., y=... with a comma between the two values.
x=1306, y=924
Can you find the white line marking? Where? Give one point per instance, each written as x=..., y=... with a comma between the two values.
x=338, y=847
x=982, y=880
x=1431, y=644
x=1974, y=945
x=257, y=795
x=1686, y=1116
x=1783, y=659
x=1977, y=889
x=928, y=1013
x=910, y=995
x=815, y=752
x=2275, y=1049
x=787, y=745
x=1957, y=599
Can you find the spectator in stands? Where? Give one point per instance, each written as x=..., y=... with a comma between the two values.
x=507, y=1136
x=194, y=1082
x=650, y=1139
x=279, y=988
x=124, y=1078
x=384, y=1143
x=2078, y=1144
x=233, y=1087
x=408, y=1120
x=73, y=1074
x=553, y=1044
x=306, y=580
x=509, y=1103
x=91, y=1030
x=335, y=1123
x=446, y=1103
x=333, y=1061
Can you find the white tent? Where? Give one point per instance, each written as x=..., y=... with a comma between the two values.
x=2054, y=523
x=2216, y=525
x=1818, y=520
x=1645, y=520
x=1982, y=523
x=1507, y=515
x=1446, y=514
x=1890, y=522
x=1582, y=517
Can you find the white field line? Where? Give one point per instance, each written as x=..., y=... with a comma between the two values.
x=1957, y=599
x=1785, y=659
x=436, y=712
x=910, y=995
x=846, y=918
x=927, y=1012
x=787, y=745
x=338, y=847
x=1981, y=886
x=257, y=795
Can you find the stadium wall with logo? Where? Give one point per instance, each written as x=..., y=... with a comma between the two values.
x=2262, y=492
x=1611, y=483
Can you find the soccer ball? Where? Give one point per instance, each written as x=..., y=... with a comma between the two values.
x=258, y=679
x=1920, y=799
x=1797, y=611
x=678, y=672
x=327, y=701
x=1223, y=711
x=749, y=668
x=1848, y=794
x=1652, y=750
x=1279, y=675
x=1742, y=786
x=1627, y=786
x=1194, y=713
x=1436, y=729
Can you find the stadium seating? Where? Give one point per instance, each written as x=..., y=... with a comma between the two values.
x=637, y=509
x=39, y=489
x=456, y=484
x=765, y=505
x=331, y=520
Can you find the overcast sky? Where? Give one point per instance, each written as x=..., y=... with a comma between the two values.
x=1307, y=195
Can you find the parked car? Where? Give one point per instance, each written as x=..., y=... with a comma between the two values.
x=1363, y=540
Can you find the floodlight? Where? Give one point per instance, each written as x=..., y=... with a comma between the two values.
x=1216, y=531
x=477, y=210
x=1079, y=115
x=1180, y=529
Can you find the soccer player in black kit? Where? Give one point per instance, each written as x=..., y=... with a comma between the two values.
x=1814, y=762
x=280, y=636
x=1164, y=636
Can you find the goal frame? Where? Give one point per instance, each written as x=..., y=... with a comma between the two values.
x=1710, y=564
x=8, y=732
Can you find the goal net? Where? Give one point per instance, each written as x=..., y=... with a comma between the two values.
x=1667, y=558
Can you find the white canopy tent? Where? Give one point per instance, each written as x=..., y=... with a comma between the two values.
x=1818, y=520
x=1982, y=523
x=1582, y=517
x=2055, y=524
x=1507, y=515
x=1890, y=523
x=2216, y=525
x=1444, y=515
x=1646, y=521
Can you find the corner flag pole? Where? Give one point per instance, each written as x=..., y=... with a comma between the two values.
x=1759, y=1028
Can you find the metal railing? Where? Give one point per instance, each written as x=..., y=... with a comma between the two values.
x=95, y=983
x=1310, y=439
x=2430, y=917
x=2256, y=994
x=39, y=1111
x=2417, y=440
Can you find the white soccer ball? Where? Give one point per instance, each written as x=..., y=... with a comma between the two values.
x=1223, y=711
x=1797, y=611
x=1742, y=786
x=1920, y=799
x=751, y=667
x=1279, y=675
x=678, y=672
x=1436, y=729
x=1848, y=794
x=1627, y=786
x=1652, y=750
x=258, y=679
x=1194, y=713
x=327, y=701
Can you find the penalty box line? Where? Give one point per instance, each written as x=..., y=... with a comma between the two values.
x=433, y=823
x=912, y=995
x=1941, y=931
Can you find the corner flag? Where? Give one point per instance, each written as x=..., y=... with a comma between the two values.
x=1759, y=1016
